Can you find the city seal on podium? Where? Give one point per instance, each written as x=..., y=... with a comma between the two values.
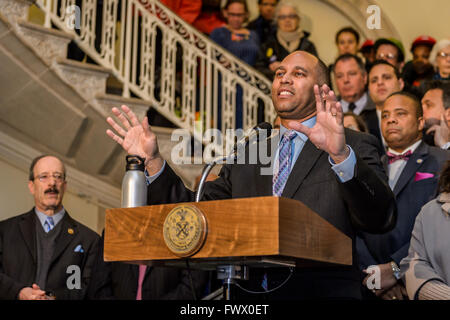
x=185, y=230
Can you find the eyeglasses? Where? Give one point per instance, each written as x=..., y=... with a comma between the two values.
x=288, y=16
x=443, y=54
x=59, y=177
x=386, y=55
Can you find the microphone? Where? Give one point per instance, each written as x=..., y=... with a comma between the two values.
x=254, y=134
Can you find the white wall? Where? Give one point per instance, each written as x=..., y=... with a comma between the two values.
x=16, y=199
x=413, y=18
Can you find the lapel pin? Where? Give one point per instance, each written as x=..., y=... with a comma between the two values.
x=419, y=160
x=70, y=231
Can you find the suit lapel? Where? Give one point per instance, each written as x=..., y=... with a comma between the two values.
x=68, y=232
x=412, y=166
x=28, y=229
x=384, y=162
x=305, y=161
x=264, y=173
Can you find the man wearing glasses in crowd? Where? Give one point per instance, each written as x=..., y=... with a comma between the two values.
x=44, y=253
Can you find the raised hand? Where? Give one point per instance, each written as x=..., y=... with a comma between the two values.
x=328, y=132
x=137, y=138
x=441, y=132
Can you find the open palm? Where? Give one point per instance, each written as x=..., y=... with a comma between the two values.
x=328, y=132
x=137, y=137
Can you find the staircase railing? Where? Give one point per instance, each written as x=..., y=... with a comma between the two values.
x=162, y=59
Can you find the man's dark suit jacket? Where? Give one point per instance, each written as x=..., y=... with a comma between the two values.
x=117, y=280
x=411, y=195
x=363, y=203
x=370, y=118
x=18, y=256
x=369, y=115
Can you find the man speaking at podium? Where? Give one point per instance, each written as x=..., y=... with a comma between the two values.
x=334, y=171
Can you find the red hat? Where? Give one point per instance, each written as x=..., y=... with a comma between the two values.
x=423, y=40
x=367, y=45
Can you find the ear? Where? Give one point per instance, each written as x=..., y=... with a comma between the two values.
x=447, y=116
x=64, y=186
x=421, y=123
x=402, y=84
x=225, y=13
x=31, y=186
x=365, y=77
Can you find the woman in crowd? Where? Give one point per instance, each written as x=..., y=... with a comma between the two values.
x=240, y=41
x=440, y=58
x=289, y=38
x=426, y=269
x=354, y=122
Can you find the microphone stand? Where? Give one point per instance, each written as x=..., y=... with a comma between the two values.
x=228, y=273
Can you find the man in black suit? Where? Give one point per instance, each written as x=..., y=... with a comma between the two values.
x=44, y=253
x=334, y=171
x=384, y=79
x=351, y=80
x=413, y=168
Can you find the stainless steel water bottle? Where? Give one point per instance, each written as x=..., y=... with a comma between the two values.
x=134, y=185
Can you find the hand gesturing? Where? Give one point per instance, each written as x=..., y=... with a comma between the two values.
x=328, y=132
x=136, y=139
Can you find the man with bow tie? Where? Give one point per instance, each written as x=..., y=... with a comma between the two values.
x=413, y=168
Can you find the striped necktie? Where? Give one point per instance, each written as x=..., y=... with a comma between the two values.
x=49, y=224
x=284, y=160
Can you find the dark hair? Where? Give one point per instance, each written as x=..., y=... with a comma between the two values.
x=259, y=1
x=230, y=2
x=379, y=42
x=378, y=62
x=359, y=121
x=417, y=105
x=349, y=30
x=444, y=180
x=35, y=161
x=348, y=56
x=443, y=85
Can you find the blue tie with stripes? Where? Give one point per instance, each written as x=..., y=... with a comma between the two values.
x=284, y=160
x=49, y=224
x=280, y=178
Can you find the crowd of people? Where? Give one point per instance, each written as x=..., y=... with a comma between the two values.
x=373, y=161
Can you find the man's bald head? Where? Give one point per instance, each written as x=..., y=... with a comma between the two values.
x=321, y=69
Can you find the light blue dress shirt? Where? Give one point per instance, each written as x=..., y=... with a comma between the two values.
x=57, y=217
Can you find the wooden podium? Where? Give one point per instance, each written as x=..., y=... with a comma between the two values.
x=262, y=231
